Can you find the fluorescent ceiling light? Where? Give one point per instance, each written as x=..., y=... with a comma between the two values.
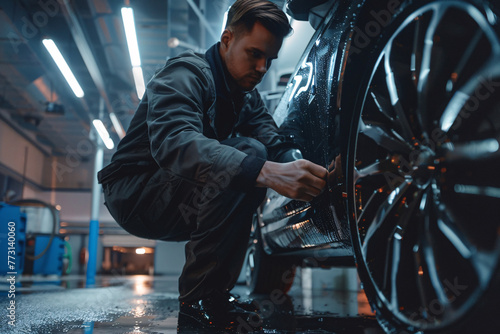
x=117, y=125
x=133, y=49
x=140, y=87
x=103, y=133
x=63, y=67
x=130, y=33
x=224, y=21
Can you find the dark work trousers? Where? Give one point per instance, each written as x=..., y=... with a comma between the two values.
x=216, y=223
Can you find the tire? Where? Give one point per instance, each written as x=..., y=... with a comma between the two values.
x=422, y=169
x=266, y=273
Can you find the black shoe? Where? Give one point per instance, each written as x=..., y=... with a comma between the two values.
x=218, y=312
x=249, y=306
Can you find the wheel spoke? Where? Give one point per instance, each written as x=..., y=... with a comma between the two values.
x=421, y=287
x=384, y=139
x=415, y=52
x=464, y=60
x=470, y=192
x=456, y=238
x=378, y=167
x=472, y=174
x=396, y=257
x=416, y=65
x=472, y=151
x=429, y=255
x=400, y=236
x=407, y=133
x=482, y=262
x=425, y=65
x=493, y=192
x=383, y=105
x=385, y=233
x=423, y=88
x=462, y=96
x=381, y=214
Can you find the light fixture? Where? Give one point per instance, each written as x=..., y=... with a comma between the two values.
x=103, y=133
x=131, y=35
x=175, y=42
x=63, y=67
x=117, y=125
x=133, y=49
x=224, y=21
x=140, y=251
x=140, y=88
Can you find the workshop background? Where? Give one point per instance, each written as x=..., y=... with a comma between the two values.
x=48, y=143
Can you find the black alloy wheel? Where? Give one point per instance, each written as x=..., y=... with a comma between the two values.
x=266, y=273
x=423, y=168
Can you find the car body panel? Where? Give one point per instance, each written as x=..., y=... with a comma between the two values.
x=308, y=115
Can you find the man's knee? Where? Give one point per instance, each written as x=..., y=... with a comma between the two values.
x=249, y=146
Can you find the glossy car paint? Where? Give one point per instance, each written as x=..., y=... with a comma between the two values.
x=309, y=115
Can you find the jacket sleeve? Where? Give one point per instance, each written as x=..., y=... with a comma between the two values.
x=177, y=96
x=260, y=125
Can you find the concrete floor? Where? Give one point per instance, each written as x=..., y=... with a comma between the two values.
x=148, y=304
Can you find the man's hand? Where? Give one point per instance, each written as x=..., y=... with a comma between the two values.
x=300, y=179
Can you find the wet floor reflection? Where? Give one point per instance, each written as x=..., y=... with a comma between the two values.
x=147, y=304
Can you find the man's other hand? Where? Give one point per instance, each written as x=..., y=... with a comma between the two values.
x=300, y=179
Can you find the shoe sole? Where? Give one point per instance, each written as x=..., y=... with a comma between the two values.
x=187, y=321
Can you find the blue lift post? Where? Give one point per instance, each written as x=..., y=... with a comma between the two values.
x=94, y=218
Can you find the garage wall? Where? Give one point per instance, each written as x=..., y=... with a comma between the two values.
x=13, y=150
x=70, y=171
x=75, y=208
x=73, y=170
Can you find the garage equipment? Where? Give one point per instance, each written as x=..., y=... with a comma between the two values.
x=51, y=262
x=12, y=237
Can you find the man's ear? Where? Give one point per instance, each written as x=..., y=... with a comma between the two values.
x=226, y=38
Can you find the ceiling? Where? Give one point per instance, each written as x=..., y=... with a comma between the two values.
x=90, y=35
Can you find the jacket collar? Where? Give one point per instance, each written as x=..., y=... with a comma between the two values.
x=225, y=85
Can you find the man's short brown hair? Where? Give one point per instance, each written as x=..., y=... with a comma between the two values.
x=244, y=13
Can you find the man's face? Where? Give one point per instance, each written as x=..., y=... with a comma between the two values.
x=248, y=55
